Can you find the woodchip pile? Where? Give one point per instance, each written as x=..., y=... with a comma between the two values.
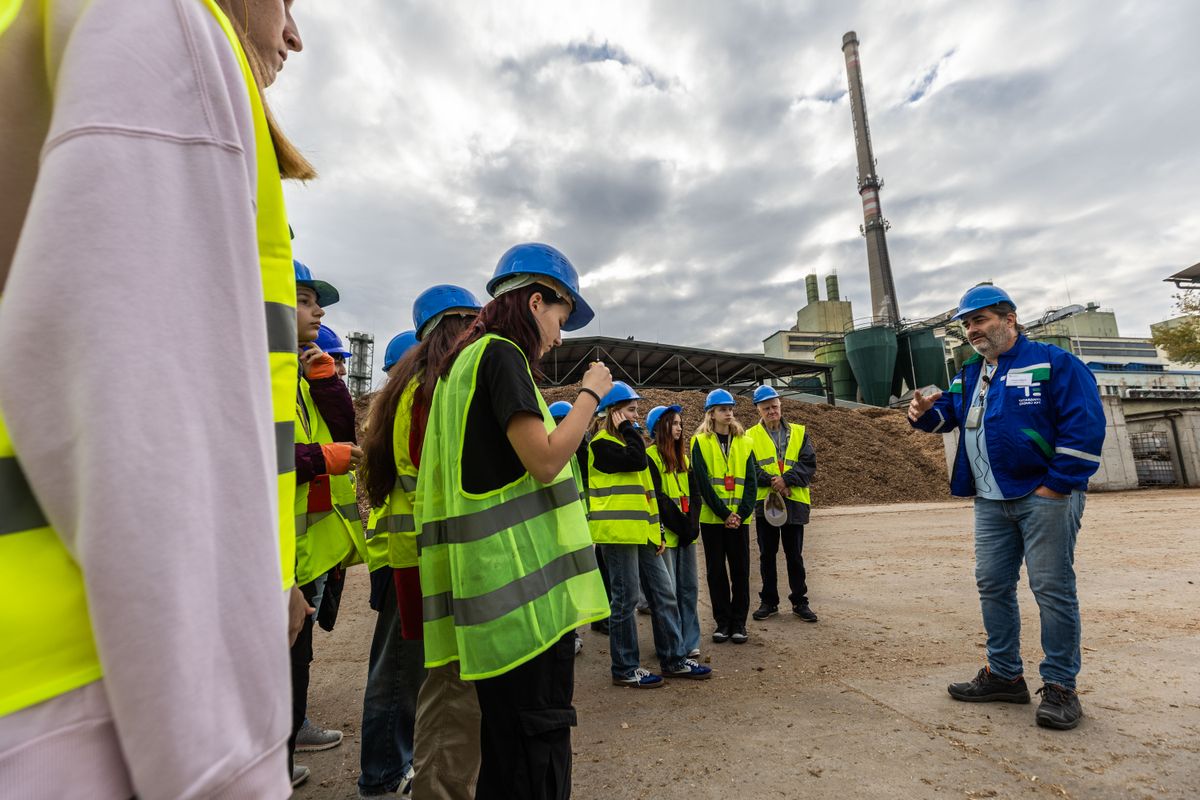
x=864, y=456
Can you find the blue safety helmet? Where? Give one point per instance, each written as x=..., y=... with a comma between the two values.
x=542, y=259
x=326, y=294
x=979, y=297
x=400, y=344
x=436, y=299
x=559, y=409
x=656, y=413
x=330, y=342
x=764, y=393
x=619, y=393
x=718, y=397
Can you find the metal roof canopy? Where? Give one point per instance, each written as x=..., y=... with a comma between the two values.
x=1186, y=279
x=667, y=366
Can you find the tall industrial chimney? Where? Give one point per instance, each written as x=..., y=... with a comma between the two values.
x=810, y=286
x=883, y=290
x=831, y=286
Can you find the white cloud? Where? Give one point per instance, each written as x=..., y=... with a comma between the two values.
x=699, y=156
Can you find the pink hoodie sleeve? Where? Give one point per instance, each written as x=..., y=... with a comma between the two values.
x=138, y=259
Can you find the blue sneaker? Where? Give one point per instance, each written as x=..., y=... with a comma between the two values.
x=689, y=669
x=639, y=679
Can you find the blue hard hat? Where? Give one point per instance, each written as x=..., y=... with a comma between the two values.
x=657, y=412
x=330, y=342
x=764, y=393
x=436, y=299
x=979, y=297
x=718, y=397
x=542, y=259
x=400, y=344
x=326, y=294
x=619, y=393
x=560, y=409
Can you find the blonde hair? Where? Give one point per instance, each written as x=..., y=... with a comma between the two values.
x=292, y=163
x=707, y=426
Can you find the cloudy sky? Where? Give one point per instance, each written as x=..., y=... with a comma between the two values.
x=695, y=160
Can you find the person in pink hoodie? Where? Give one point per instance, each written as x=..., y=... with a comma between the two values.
x=129, y=225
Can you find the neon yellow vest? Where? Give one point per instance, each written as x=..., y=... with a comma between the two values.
x=391, y=532
x=504, y=574
x=47, y=635
x=675, y=485
x=767, y=458
x=621, y=506
x=719, y=469
x=323, y=538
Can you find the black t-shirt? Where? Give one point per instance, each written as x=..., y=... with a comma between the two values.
x=502, y=388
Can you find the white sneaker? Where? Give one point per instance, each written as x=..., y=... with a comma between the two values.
x=578, y=644
x=694, y=653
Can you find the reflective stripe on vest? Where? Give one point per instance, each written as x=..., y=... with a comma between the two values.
x=504, y=574
x=766, y=455
x=740, y=450
x=675, y=485
x=392, y=531
x=622, y=508
x=323, y=538
x=48, y=644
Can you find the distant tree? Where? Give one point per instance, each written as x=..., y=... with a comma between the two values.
x=1182, y=340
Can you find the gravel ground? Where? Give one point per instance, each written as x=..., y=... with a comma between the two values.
x=855, y=706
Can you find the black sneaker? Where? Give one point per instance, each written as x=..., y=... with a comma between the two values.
x=804, y=612
x=739, y=635
x=1060, y=707
x=721, y=634
x=601, y=626
x=987, y=688
x=765, y=610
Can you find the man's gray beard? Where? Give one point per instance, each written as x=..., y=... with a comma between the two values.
x=990, y=345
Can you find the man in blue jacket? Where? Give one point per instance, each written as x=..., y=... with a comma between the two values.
x=1031, y=427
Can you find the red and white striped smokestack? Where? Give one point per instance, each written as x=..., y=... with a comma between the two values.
x=883, y=290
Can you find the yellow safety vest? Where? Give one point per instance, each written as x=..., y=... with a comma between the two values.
x=504, y=574
x=621, y=506
x=766, y=456
x=323, y=538
x=728, y=477
x=47, y=634
x=391, y=532
x=675, y=485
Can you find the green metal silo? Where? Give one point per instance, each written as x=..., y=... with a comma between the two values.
x=844, y=385
x=920, y=361
x=872, y=355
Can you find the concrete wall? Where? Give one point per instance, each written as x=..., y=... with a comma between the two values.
x=1117, y=469
x=1185, y=423
x=824, y=316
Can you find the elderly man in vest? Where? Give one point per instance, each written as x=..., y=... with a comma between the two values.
x=1031, y=427
x=785, y=463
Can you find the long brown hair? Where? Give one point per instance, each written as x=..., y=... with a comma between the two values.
x=672, y=451
x=509, y=316
x=292, y=163
x=378, y=470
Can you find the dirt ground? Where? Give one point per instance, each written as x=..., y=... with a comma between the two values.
x=855, y=706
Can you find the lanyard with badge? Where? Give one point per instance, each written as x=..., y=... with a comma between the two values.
x=730, y=481
x=975, y=412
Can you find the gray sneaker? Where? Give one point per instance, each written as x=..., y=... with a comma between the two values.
x=300, y=774
x=311, y=738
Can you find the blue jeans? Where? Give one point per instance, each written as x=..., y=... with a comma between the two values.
x=681, y=565
x=394, y=675
x=625, y=563
x=1042, y=532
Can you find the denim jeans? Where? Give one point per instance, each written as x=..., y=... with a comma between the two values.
x=1042, y=532
x=394, y=675
x=681, y=565
x=625, y=563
